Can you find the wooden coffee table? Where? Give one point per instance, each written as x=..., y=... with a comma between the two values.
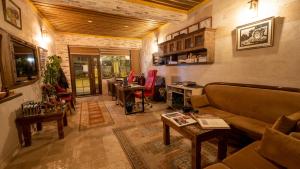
x=197, y=135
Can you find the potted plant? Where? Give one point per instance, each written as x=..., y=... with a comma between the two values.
x=51, y=72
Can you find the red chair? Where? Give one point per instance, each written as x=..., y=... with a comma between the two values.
x=130, y=77
x=149, y=87
x=63, y=94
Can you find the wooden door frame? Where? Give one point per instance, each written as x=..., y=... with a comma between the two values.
x=90, y=69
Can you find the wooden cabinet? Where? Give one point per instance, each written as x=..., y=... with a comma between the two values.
x=197, y=48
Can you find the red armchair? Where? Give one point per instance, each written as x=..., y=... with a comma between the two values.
x=149, y=87
x=63, y=94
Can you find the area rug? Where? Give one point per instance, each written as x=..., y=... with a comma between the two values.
x=93, y=113
x=144, y=147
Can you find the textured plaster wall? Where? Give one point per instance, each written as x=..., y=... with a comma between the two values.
x=277, y=65
x=31, y=33
x=63, y=40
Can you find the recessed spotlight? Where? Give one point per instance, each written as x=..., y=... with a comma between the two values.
x=126, y=26
x=89, y=21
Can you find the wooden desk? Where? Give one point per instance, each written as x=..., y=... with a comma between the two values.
x=126, y=94
x=23, y=124
x=197, y=136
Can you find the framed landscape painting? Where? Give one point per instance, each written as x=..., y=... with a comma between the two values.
x=12, y=13
x=255, y=35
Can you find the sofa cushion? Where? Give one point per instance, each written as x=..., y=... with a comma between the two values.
x=295, y=116
x=262, y=104
x=216, y=112
x=295, y=135
x=199, y=101
x=254, y=128
x=217, y=166
x=298, y=126
x=284, y=125
x=280, y=148
x=248, y=158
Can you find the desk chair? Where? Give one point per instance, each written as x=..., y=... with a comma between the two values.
x=149, y=87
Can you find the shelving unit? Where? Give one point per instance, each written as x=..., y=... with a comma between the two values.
x=189, y=49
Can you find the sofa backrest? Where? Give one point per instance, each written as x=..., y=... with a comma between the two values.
x=265, y=103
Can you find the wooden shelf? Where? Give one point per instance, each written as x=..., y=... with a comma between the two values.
x=201, y=43
x=10, y=97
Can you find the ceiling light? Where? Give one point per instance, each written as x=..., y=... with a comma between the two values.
x=89, y=21
x=126, y=26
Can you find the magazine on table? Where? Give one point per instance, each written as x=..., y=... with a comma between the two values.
x=208, y=121
x=179, y=119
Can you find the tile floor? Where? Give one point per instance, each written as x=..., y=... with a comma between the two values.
x=96, y=148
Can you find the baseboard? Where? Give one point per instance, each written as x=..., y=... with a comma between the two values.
x=5, y=160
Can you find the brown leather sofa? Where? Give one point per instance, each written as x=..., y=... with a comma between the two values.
x=248, y=109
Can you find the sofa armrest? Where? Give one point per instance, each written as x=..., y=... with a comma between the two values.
x=199, y=101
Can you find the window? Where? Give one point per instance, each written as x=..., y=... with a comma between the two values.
x=115, y=66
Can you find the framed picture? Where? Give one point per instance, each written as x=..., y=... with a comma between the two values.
x=193, y=28
x=43, y=53
x=255, y=35
x=12, y=13
x=206, y=23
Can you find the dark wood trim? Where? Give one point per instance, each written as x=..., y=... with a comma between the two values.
x=10, y=97
x=71, y=73
x=289, y=89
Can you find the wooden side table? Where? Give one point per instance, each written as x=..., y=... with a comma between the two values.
x=197, y=136
x=23, y=124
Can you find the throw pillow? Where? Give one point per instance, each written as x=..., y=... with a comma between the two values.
x=280, y=148
x=199, y=101
x=295, y=135
x=284, y=124
x=294, y=116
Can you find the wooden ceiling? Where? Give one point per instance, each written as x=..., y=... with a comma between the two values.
x=179, y=4
x=83, y=21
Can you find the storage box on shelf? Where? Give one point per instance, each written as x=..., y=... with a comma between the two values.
x=189, y=49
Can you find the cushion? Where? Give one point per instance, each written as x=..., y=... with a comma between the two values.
x=199, y=101
x=284, y=125
x=280, y=148
x=248, y=158
x=217, y=166
x=216, y=112
x=295, y=135
x=262, y=104
x=254, y=128
x=295, y=116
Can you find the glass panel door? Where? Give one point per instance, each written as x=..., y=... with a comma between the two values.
x=81, y=71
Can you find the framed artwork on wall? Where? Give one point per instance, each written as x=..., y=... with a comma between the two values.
x=259, y=34
x=43, y=53
x=12, y=13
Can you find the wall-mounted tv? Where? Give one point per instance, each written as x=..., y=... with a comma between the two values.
x=26, y=63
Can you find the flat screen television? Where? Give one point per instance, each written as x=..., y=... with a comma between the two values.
x=26, y=63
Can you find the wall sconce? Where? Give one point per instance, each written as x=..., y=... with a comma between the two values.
x=44, y=33
x=253, y=8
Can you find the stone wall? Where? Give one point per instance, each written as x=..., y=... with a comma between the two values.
x=31, y=32
x=277, y=65
x=63, y=40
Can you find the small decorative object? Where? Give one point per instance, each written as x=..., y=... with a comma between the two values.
x=255, y=35
x=12, y=13
x=206, y=23
x=31, y=108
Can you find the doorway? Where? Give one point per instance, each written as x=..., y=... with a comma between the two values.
x=86, y=75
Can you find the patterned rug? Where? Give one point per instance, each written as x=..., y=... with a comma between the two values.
x=144, y=147
x=93, y=113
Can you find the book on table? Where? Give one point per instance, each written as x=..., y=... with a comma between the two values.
x=208, y=121
x=179, y=119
